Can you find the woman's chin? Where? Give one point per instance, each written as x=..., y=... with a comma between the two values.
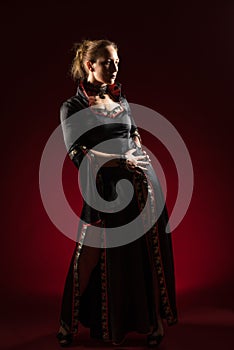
x=112, y=81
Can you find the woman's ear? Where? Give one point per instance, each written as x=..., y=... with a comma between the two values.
x=89, y=66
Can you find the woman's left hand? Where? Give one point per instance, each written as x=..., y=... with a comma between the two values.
x=137, y=161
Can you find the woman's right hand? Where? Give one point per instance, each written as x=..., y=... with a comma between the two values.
x=136, y=161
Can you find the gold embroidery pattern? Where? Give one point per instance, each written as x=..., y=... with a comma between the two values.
x=76, y=150
x=104, y=293
x=76, y=289
x=142, y=187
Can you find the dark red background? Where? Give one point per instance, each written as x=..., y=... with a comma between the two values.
x=176, y=59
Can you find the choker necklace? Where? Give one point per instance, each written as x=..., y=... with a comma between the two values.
x=92, y=89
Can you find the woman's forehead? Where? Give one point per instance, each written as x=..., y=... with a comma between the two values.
x=108, y=52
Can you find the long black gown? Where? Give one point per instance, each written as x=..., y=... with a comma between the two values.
x=127, y=281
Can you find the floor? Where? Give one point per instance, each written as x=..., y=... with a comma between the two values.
x=30, y=323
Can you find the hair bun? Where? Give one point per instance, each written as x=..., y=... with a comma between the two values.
x=81, y=48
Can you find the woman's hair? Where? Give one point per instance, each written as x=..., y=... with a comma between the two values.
x=87, y=50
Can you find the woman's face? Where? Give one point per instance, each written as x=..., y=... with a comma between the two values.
x=105, y=69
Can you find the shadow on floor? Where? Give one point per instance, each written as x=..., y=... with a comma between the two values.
x=179, y=337
x=206, y=321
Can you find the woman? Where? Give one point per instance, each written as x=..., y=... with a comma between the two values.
x=126, y=287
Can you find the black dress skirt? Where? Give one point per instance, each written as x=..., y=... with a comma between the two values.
x=133, y=281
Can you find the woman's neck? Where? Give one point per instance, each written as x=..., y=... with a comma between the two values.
x=95, y=82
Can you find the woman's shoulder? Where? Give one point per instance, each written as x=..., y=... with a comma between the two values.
x=70, y=106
